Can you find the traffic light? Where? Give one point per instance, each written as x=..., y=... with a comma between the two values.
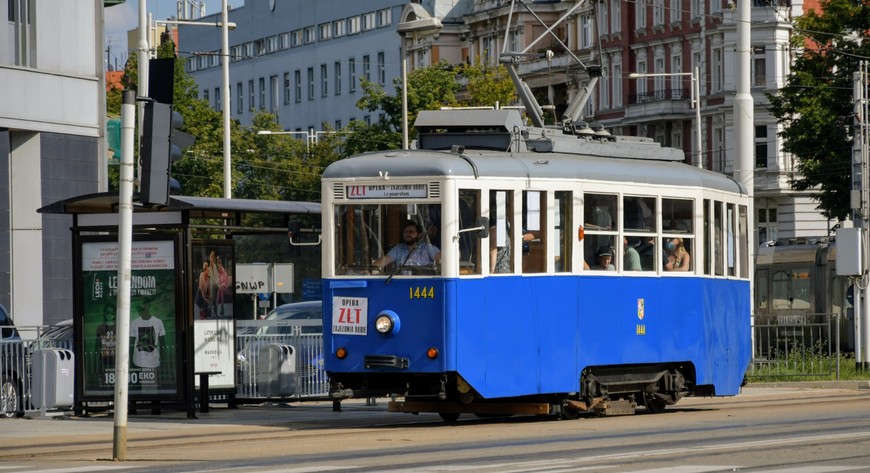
x=162, y=145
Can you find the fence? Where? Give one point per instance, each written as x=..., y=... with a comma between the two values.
x=287, y=365
x=795, y=345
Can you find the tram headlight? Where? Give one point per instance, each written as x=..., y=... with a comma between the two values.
x=387, y=323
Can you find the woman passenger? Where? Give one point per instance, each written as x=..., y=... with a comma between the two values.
x=676, y=256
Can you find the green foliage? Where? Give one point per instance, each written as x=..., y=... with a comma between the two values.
x=815, y=107
x=487, y=85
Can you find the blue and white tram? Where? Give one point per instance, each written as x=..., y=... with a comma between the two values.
x=517, y=316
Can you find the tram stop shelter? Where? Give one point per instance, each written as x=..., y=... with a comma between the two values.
x=183, y=290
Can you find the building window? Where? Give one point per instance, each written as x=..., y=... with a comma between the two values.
x=324, y=81
x=718, y=73
x=640, y=15
x=766, y=224
x=205, y=95
x=617, y=85
x=353, y=25
x=676, y=11
x=382, y=73
x=338, y=124
x=588, y=30
x=368, y=21
x=262, y=93
x=240, y=94
x=761, y=146
x=385, y=17
x=273, y=94
x=297, y=77
x=367, y=67
x=284, y=41
x=271, y=44
x=603, y=19
x=217, y=99
x=260, y=47
x=719, y=149
x=616, y=16
x=338, y=28
x=337, y=73
x=251, y=105
x=308, y=35
x=296, y=38
x=759, y=65
x=310, y=83
x=351, y=74
x=286, y=88
x=658, y=12
x=325, y=31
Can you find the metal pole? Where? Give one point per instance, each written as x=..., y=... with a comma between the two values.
x=225, y=66
x=699, y=150
x=142, y=86
x=125, y=243
x=404, y=95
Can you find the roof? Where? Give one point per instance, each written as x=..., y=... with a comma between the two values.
x=107, y=202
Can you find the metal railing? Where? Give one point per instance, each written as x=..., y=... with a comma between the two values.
x=795, y=345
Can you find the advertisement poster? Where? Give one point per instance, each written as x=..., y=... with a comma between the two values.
x=153, y=335
x=213, y=329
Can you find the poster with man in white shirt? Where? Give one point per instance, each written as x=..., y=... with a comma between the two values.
x=147, y=333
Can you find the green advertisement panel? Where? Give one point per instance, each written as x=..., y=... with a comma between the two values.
x=154, y=337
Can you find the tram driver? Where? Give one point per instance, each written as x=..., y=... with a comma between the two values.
x=413, y=251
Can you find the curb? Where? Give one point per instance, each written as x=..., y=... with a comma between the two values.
x=857, y=385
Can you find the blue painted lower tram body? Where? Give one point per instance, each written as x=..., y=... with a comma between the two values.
x=646, y=339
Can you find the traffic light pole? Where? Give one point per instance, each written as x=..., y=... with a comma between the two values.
x=125, y=244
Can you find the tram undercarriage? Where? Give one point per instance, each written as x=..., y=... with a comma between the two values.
x=603, y=391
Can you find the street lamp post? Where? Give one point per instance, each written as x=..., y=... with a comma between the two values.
x=309, y=136
x=225, y=26
x=415, y=20
x=696, y=104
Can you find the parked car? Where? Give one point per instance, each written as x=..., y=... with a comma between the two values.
x=298, y=324
x=12, y=367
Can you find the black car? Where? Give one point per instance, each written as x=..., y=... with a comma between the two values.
x=12, y=367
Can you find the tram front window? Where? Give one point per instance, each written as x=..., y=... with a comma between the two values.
x=386, y=239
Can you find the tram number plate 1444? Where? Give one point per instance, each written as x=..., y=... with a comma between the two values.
x=349, y=315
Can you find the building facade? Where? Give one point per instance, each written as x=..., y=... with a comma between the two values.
x=299, y=60
x=52, y=147
x=304, y=64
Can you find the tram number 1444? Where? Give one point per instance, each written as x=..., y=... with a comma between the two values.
x=422, y=292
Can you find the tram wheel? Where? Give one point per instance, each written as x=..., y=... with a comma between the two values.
x=654, y=406
x=449, y=416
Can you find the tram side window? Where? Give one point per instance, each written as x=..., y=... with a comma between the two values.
x=599, y=242
x=708, y=228
x=501, y=254
x=562, y=234
x=534, y=234
x=469, y=242
x=743, y=238
x=639, y=227
x=791, y=289
x=678, y=229
x=729, y=239
x=718, y=246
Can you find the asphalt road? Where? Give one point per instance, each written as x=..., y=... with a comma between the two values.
x=763, y=429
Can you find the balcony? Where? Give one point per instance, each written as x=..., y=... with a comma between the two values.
x=657, y=105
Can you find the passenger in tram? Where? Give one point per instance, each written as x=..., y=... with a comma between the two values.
x=412, y=251
x=630, y=257
x=676, y=256
x=603, y=257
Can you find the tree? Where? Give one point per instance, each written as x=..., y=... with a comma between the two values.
x=814, y=109
x=429, y=88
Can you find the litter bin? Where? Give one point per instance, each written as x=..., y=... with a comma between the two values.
x=276, y=371
x=53, y=379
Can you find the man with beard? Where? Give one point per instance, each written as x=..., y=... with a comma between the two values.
x=412, y=251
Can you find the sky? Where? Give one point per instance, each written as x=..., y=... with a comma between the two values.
x=125, y=17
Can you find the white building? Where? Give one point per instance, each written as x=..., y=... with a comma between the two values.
x=52, y=113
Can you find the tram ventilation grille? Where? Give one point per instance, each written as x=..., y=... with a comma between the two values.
x=434, y=190
x=338, y=191
x=385, y=361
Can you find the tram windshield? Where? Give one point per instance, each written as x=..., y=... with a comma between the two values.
x=388, y=239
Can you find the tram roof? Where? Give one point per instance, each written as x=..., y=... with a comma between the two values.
x=524, y=165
